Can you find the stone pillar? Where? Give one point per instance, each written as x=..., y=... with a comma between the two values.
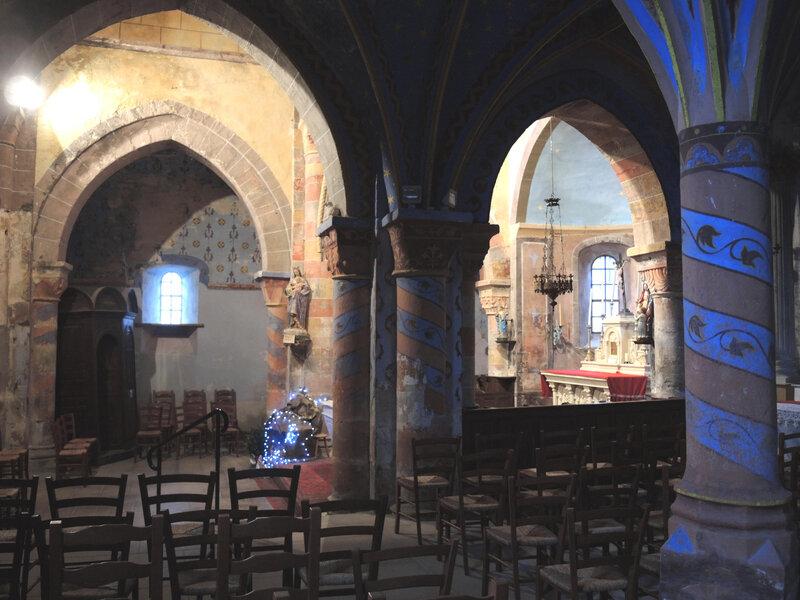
x=732, y=533
x=784, y=197
x=49, y=283
x=494, y=295
x=272, y=285
x=347, y=247
x=660, y=267
x=476, y=244
x=422, y=251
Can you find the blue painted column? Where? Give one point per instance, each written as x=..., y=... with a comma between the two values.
x=347, y=247
x=423, y=244
x=731, y=528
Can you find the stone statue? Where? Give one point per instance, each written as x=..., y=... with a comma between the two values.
x=623, y=301
x=299, y=293
x=502, y=325
x=644, y=316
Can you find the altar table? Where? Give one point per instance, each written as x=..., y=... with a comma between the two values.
x=574, y=386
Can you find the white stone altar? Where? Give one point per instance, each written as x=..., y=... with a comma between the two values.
x=573, y=388
x=617, y=352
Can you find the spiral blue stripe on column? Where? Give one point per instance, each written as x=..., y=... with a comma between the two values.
x=726, y=244
x=741, y=440
x=428, y=288
x=420, y=329
x=349, y=364
x=757, y=174
x=726, y=339
x=434, y=379
x=348, y=323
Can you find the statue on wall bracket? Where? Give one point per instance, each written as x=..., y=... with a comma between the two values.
x=644, y=317
x=298, y=291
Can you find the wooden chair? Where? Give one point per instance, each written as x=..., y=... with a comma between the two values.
x=117, y=577
x=559, y=454
x=197, y=436
x=169, y=419
x=249, y=565
x=68, y=458
x=226, y=400
x=13, y=462
x=190, y=539
x=339, y=535
x=534, y=518
x=86, y=496
x=499, y=592
x=432, y=475
x=149, y=432
x=18, y=533
x=787, y=441
x=590, y=569
x=482, y=486
x=609, y=446
x=18, y=497
x=176, y=493
x=273, y=491
x=400, y=569
x=71, y=431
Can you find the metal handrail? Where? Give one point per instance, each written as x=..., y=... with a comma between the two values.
x=216, y=413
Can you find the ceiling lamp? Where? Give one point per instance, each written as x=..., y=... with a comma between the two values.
x=552, y=281
x=23, y=92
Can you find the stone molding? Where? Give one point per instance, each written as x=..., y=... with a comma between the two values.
x=660, y=266
x=272, y=286
x=347, y=247
x=423, y=247
x=494, y=295
x=476, y=246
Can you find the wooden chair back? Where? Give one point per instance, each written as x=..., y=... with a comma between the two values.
x=560, y=451
x=195, y=396
x=273, y=490
x=399, y=569
x=243, y=535
x=610, y=445
x=435, y=457
x=339, y=535
x=88, y=496
x=504, y=440
x=18, y=495
x=176, y=493
x=20, y=532
x=118, y=576
x=608, y=486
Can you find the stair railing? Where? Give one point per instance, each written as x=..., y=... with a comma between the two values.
x=218, y=415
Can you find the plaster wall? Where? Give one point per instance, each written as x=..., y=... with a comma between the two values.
x=228, y=352
x=87, y=85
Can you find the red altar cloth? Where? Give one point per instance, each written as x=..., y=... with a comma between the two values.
x=621, y=386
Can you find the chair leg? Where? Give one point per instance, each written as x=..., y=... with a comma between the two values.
x=485, y=569
x=416, y=513
x=397, y=504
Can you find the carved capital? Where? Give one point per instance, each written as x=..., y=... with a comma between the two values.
x=424, y=246
x=272, y=286
x=659, y=266
x=347, y=247
x=51, y=281
x=494, y=296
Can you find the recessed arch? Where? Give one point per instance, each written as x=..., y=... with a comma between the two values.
x=33, y=55
x=78, y=171
x=626, y=157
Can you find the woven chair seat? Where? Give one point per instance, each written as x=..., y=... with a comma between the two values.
x=590, y=579
x=472, y=503
x=527, y=535
x=424, y=481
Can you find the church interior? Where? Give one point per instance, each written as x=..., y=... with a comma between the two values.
x=428, y=220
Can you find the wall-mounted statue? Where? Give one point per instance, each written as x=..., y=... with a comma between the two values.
x=644, y=317
x=299, y=293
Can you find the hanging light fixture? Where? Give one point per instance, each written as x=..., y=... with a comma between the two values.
x=552, y=281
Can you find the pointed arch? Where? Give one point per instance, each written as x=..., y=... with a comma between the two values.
x=79, y=170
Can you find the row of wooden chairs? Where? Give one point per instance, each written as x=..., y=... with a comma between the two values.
x=73, y=453
x=161, y=418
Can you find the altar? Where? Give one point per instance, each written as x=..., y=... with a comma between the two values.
x=579, y=386
x=616, y=371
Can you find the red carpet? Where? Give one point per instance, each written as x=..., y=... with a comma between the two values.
x=315, y=480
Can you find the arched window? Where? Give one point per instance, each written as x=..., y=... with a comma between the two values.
x=171, y=305
x=605, y=292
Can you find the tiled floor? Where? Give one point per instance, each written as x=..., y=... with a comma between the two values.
x=461, y=585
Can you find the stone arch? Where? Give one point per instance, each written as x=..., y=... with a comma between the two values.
x=34, y=54
x=68, y=183
x=626, y=156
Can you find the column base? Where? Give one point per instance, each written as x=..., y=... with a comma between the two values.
x=731, y=552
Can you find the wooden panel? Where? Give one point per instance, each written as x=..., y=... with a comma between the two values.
x=530, y=419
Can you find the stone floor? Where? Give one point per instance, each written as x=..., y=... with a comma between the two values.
x=462, y=584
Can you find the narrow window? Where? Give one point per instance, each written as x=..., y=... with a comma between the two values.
x=171, y=298
x=605, y=292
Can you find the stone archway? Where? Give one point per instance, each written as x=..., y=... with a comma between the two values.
x=626, y=157
x=67, y=184
x=28, y=55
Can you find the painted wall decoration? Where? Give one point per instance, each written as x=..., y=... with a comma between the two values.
x=164, y=203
